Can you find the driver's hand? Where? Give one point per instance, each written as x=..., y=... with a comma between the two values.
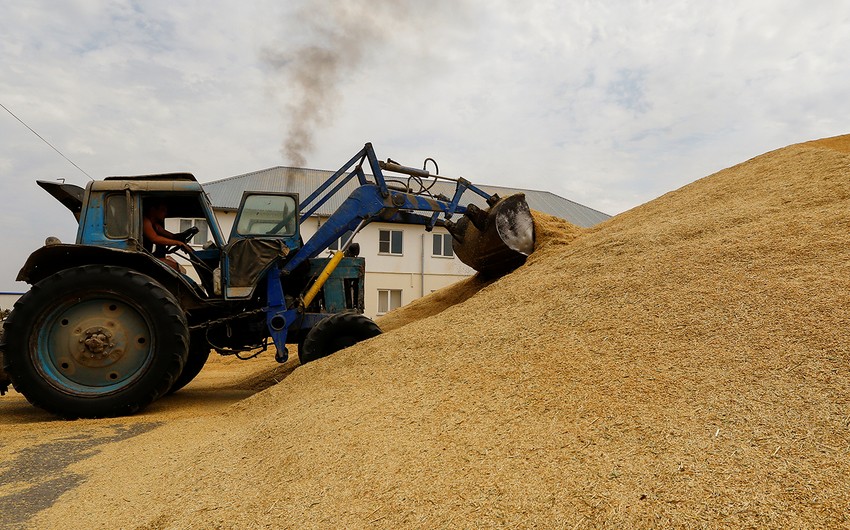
x=186, y=247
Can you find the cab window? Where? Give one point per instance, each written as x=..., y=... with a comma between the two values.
x=268, y=215
x=116, y=221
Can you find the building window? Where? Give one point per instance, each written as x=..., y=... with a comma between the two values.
x=389, y=242
x=203, y=231
x=338, y=243
x=388, y=299
x=442, y=245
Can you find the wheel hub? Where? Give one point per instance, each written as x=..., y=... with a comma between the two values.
x=97, y=343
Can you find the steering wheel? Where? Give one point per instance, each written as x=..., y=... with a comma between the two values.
x=185, y=236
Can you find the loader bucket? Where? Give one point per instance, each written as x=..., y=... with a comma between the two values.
x=497, y=240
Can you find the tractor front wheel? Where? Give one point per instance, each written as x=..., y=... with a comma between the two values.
x=95, y=341
x=336, y=333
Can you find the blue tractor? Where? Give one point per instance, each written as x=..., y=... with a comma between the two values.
x=108, y=327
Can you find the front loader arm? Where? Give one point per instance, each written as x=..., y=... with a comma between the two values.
x=367, y=204
x=491, y=241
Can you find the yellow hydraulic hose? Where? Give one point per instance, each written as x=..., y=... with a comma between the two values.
x=323, y=277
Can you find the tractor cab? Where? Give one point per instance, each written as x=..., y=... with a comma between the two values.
x=110, y=214
x=113, y=217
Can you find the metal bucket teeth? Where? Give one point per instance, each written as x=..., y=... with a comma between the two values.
x=499, y=240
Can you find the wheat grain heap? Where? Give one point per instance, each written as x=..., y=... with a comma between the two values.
x=683, y=364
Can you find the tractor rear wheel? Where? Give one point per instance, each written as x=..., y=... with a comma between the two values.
x=335, y=333
x=199, y=352
x=5, y=382
x=95, y=341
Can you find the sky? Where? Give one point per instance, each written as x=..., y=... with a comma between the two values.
x=607, y=103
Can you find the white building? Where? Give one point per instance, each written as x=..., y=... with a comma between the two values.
x=403, y=261
x=8, y=299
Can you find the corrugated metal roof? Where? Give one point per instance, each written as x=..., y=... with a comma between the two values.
x=227, y=193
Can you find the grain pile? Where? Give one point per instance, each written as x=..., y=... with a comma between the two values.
x=684, y=364
x=550, y=231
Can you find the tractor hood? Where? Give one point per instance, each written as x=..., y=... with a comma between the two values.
x=68, y=194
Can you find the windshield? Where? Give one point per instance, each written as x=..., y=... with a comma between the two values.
x=268, y=215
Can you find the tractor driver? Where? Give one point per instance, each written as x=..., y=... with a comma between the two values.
x=155, y=233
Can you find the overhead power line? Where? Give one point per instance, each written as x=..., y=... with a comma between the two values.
x=45, y=141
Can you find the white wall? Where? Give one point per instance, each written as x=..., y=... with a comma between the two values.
x=415, y=272
x=7, y=300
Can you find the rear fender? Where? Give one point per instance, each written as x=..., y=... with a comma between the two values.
x=51, y=259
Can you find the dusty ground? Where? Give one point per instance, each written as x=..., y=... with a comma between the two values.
x=36, y=449
x=684, y=364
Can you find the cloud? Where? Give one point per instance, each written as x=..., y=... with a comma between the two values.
x=607, y=103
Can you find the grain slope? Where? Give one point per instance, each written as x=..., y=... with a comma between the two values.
x=683, y=364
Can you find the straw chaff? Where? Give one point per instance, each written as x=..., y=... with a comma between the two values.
x=683, y=364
